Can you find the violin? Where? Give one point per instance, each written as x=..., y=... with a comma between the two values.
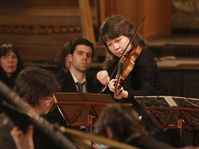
x=127, y=66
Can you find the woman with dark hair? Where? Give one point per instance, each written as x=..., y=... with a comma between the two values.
x=10, y=64
x=116, y=33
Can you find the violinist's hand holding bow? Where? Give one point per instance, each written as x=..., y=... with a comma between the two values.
x=121, y=92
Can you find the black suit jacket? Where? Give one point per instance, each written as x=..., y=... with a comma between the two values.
x=67, y=84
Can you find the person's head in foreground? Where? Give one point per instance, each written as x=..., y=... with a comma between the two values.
x=37, y=87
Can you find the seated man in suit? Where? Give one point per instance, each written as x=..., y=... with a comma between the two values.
x=74, y=77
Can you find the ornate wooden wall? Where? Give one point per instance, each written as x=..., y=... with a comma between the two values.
x=157, y=14
x=40, y=28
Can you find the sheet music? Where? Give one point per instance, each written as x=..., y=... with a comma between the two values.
x=170, y=101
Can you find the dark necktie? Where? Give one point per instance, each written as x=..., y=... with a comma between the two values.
x=80, y=87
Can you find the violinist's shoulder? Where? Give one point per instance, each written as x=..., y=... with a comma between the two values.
x=146, y=52
x=146, y=58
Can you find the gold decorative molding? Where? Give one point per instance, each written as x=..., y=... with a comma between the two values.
x=38, y=29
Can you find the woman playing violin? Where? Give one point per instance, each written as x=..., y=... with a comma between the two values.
x=143, y=79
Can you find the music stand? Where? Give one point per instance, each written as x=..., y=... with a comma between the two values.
x=172, y=112
x=82, y=109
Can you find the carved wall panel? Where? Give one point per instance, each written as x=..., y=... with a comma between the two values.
x=185, y=15
x=38, y=31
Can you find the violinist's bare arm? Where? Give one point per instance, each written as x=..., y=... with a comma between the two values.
x=103, y=77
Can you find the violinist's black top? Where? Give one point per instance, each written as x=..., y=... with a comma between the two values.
x=144, y=79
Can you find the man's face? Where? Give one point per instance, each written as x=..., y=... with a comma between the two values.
x=81, y=58
x=9, y=62
x=46, y=104
x=118, y=45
